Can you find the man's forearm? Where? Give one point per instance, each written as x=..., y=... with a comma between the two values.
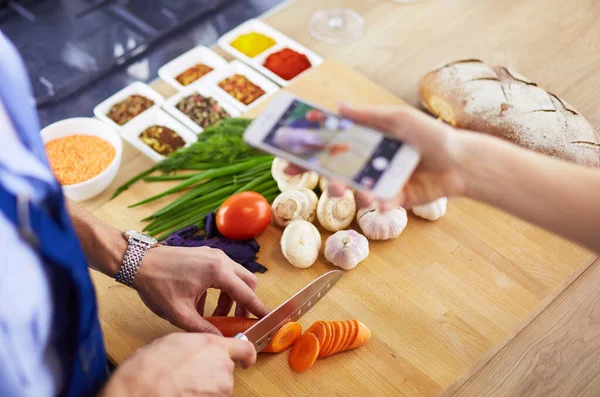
x=556, y=195
x=103, y=245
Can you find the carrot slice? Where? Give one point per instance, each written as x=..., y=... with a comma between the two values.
x=353, y=334
x=284, y=338
x=304, y=353
x=319, y=329
x=364, y=334
x=347, y=331
x=328, y=339
x=231, y=326
x=338, y=333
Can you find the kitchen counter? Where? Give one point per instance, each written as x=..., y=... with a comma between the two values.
x=402, y=42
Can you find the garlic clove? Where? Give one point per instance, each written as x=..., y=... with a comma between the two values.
x=285, y=182
x=294, y=204
x=346, y=249
x=378, y=225
x=336, y=213
x=432, y=211
x=300, y=243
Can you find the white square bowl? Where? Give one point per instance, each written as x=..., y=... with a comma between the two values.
x=170, y=105
x=137, y=88
x=237, y=67
x=175, y=67
x=259, y=61
x=132, y=130
x=251, y=25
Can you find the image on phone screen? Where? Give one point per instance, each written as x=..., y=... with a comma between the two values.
x=336, y=144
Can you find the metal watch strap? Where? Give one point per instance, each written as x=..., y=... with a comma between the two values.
x=136, y=250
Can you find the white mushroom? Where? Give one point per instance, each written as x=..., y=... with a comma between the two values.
x=300, y=243
x=336, y=213
x=295, y=204
x=285, y=182
x=323, y=183
x=432, y=211
x=346, y=249
x=378, y=225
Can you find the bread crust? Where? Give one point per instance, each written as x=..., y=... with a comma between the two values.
x=494, y=100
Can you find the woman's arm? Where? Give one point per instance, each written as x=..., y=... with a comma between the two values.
x=556, y=195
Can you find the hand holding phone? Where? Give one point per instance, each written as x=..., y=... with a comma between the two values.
x=335, y=147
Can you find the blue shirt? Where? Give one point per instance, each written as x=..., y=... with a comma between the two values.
x=29, y=364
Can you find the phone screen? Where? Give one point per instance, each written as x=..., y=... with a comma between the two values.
x=336, y=144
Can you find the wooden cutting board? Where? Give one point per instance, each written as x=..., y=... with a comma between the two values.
x=440, y=300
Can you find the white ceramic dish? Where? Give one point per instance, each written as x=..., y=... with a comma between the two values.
x=138, y=88
x=170, y=105
x=132, y=130
x=175, y=67
x=282, y=41
x=237, y=67
x=87, y=126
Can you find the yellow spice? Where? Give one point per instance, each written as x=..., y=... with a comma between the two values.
x=252, y=44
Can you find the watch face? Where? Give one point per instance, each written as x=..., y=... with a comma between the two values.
x=144, y=238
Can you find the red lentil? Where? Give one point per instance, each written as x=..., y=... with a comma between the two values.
x=77, y=158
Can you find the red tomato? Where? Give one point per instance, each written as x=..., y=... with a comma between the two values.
x=244, y=216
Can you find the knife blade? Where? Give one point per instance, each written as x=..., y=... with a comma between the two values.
x=292, y=309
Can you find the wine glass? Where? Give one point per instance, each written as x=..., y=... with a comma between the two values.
x=336, y=25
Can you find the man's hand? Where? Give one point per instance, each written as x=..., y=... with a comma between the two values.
x=182, y=365
x=173, y=281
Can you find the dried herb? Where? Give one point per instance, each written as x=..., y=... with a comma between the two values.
x=204, y=111
x=162, y=140
x=128, y=108
x=192, y=74
x=242, y=89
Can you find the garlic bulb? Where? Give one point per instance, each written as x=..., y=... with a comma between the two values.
x=346, y=249
x=285, y=182
x=300, y=243
x=295, y=204
x=336, y=213
x=432, y=211
x=377, y=225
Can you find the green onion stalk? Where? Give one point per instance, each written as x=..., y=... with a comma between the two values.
x=217, y=166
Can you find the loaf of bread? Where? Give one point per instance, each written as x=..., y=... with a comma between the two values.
x=472, y=95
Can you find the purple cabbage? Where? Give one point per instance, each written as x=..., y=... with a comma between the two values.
x=242, y=252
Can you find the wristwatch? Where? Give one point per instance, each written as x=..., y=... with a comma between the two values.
x=138, y=244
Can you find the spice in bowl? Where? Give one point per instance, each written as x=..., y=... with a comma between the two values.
x=128, y=108
x=287, y=63
x=162, y=140
x=77, y=158
x=192, y=74
x=252, y=44
x=204, y=111
x=242, y=89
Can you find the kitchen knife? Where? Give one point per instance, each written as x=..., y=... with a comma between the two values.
x=291, y=310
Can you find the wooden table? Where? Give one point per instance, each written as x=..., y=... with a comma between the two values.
x=464, y=260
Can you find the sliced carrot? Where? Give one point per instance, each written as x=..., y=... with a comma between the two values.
x=284, y=338
x=328, y=339
x=338, y=335
x=347, y=332
x=231, y=326
x=364, y=334
x=304, y=353
x=319, y=329
x=353, y=334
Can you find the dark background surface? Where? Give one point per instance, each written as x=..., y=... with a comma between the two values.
x=79, y=52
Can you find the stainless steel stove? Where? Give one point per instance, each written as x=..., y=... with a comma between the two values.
x=78, y=52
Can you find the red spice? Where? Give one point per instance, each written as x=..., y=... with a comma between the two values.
x=287, y=63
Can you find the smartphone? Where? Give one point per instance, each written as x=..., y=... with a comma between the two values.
x=334, y=147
